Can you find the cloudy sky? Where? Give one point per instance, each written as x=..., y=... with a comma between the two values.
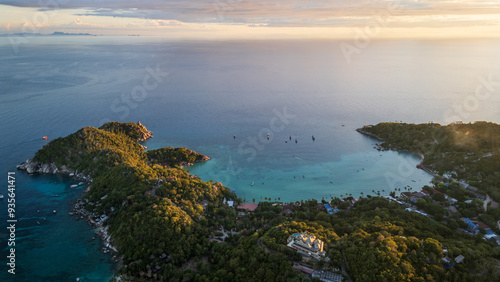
x=255, y=19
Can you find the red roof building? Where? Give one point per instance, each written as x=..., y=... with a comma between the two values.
x=482, y=225
x=248, y=207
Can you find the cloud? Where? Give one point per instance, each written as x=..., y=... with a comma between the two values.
x=274, y=12
x=164, y=23
x=253, y=16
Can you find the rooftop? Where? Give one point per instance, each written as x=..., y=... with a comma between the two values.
x=306, y=244
x=248, y=207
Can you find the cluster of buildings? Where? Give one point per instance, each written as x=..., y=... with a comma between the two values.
x=413, y=196
x=311, y=248
x=325, y=276
x=474, y=228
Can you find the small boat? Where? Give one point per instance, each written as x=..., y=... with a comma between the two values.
x=38, y=222
x=251, y=183
x=313, y=138
x=54, y=211
x=1, y=196
x=44, y=137
x=73, y=186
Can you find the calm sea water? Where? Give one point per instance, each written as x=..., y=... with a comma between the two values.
x=201, y=94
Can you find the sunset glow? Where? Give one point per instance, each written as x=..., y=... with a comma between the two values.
x=256, y=19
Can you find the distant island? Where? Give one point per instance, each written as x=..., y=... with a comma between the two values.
x=165, y=224
x=56, y=33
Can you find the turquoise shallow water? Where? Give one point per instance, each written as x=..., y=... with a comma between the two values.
x=294, y=177
x=205, y=93
x=53, y=247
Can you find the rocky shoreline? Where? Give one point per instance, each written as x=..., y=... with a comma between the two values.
x=31, y=167
x=364, y=132
x=379, y=147
x=204, y=158
x=146, y=133
x=97, y=222
x=79, y=211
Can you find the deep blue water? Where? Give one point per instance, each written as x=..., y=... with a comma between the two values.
x=201, y=94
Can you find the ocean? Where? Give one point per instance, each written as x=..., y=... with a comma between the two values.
x=252, y=106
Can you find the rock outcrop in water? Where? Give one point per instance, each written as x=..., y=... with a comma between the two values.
x=30, y=166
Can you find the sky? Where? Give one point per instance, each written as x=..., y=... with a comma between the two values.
x=259, y=19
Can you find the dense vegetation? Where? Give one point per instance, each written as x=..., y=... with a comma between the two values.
x=171, y=226
x=466, y=151
x=136, y=131
x=92, y=150
x=174, y=156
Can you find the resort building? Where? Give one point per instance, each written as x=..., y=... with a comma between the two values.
x=307, y=245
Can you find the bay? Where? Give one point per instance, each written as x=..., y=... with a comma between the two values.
x=199, y=94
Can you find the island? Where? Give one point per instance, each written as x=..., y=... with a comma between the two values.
x=167, y=225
